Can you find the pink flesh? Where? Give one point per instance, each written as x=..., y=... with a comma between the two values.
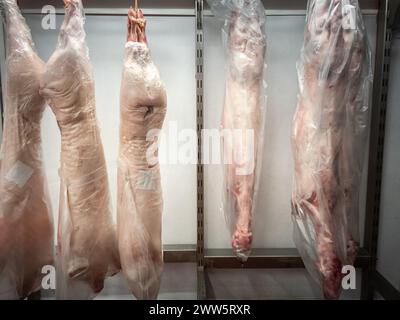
x=143, y=108
x=26, y=225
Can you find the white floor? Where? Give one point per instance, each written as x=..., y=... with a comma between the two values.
x=179, y=282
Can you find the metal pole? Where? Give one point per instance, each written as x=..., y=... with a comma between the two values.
x=120, y=12
x=201, y=295
x=376, y=146
x=175, y=12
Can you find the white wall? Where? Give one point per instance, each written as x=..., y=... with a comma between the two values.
x=389, y=225
x=172, y=43
x=273, y=225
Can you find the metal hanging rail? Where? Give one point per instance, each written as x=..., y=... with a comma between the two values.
x=174, y=12
x=121, y=12
x=178, y=7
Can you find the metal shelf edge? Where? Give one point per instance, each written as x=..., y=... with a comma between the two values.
x=267, y=259
x=179, y=253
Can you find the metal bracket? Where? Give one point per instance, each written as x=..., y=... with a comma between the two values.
x=200, y=125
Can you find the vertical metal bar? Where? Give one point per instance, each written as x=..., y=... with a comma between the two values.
x=376, y=147
x=200, y=173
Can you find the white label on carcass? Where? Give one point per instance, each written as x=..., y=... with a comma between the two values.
x=145, y=180
x=19, y=174
x=349, y=17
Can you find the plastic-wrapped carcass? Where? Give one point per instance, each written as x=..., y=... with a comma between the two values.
x=140, y=202
x=26, y=225
x=243, y=115
x=87, y=248
x=329, y=138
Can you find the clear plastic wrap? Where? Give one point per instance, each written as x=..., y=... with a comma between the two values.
x=87, y=248
x=26, y=225
x=243, y=116
x=329, y=139
x=140, y=202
